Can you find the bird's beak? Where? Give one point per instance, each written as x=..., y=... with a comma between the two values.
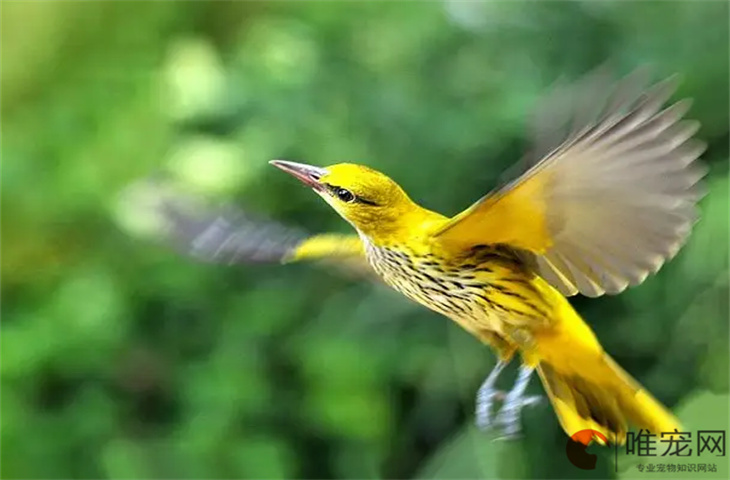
x=307, y=174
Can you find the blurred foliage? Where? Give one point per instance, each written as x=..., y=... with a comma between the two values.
x=122, y=360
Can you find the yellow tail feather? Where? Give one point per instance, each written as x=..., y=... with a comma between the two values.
x=588, y=389
x=605, y=399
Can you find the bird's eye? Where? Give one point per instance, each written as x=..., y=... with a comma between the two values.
x=344, y=195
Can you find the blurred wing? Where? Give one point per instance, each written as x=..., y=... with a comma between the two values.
x=608, y=196
x=228, y=235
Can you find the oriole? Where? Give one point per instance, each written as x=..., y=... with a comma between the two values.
x=608, y=196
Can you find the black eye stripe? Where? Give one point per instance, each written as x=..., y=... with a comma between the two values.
x=333, y=189
x=366, y=201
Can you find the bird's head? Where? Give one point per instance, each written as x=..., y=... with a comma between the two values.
x=373, y=203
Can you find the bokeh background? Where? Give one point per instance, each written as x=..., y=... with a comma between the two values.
x=121, y=359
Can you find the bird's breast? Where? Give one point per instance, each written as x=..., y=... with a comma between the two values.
x=477, y=291
x=433, y=282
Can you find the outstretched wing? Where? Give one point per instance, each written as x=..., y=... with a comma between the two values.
x=228, y=235
x=609, y=193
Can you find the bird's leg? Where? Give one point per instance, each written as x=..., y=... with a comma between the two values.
x=508, y=418
x=486, y=395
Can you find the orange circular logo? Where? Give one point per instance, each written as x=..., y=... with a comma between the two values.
x=577, y=445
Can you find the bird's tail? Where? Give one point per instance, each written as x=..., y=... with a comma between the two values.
x=601, y=396
x=589, y=390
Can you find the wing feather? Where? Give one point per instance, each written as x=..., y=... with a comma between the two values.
x=609, y=193
x=225, y=234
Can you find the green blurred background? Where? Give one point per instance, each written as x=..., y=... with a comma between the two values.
x=121, y=359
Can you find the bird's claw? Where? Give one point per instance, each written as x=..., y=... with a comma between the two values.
x=508, y=418
x=485, y=403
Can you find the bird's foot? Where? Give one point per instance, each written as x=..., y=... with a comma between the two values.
x=507, y=420
x=486, y=397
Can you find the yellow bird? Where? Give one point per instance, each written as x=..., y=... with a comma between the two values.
x=609, y=194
